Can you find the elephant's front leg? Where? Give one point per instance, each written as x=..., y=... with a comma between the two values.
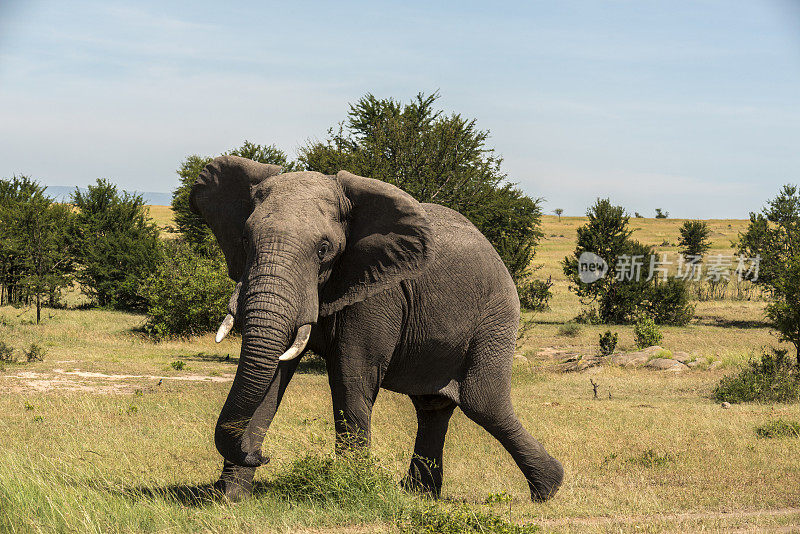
x=353, y=398
x=236, y=482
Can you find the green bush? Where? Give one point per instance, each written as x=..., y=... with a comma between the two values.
x=35, y=353
x=667, y=302
x=589, y=316
x=608, y=342
x=534, y=295
x=779, y=428
x=569, y=329
x=6, y=353
x=772, y=378
x=646, y=332
x=188, y=294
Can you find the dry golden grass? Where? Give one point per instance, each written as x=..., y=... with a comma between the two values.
x=652, y=454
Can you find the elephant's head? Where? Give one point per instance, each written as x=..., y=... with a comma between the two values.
x=299, y=245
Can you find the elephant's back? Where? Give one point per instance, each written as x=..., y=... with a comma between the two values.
x=462, y=253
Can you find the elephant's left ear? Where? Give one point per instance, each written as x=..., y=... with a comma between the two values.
x=389, y=239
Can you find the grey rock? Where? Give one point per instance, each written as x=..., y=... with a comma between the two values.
x=682, y=357
x=666, y=364
x=630, y=359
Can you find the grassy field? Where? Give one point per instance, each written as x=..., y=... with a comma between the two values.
x=107, y=435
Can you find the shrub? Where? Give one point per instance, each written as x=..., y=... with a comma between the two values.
x=646, y=332
x=534, y=295
x=7, y=353
x=589, y=316
x=178, y=365
x=772, y=378
x=35, y=353
x=667, y=302
x=608, y=342
x=779, y=428
x=188, y=294
x=569, y=329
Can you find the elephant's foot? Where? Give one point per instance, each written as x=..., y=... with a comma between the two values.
x=235, y=482
x=547, y=481
x=424, y=476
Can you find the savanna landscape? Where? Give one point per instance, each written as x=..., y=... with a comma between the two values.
x=112, y=432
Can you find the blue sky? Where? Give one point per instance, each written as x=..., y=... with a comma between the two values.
x=690, y=106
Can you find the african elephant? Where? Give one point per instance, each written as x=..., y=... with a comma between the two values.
x=390, y=292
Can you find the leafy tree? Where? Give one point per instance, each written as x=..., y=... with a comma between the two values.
x=774, y=236
x=661, y=214
x=559, y=212
x=194, y=228
x=35, y=234
x=624, y=291
x=13, y=193
x=116, y=244
x=784, y=310
x=694, y=238
x=436, y=158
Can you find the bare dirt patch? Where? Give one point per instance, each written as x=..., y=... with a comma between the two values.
x=92, y=382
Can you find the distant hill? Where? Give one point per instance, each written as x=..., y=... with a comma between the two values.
x=61, y=193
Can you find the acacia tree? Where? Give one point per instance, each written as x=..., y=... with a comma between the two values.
x=436, y=158
x=773, y=236
x=559, y=212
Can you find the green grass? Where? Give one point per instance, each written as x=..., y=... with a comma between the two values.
x=779, y=428
x=84, y=449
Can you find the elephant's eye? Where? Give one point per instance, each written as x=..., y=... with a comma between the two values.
x=322, y=249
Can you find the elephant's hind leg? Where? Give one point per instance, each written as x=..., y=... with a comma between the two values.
x=485, y=398
x=433, y=416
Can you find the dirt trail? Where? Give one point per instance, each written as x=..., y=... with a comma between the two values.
x=92, y=382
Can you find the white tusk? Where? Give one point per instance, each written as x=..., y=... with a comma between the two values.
x=303, y=333
x=224, y=328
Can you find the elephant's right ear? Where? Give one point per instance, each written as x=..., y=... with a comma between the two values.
x=222, y=195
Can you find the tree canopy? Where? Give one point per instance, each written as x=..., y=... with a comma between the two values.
x=773, y=236
x=436, y=158
x=116, y=244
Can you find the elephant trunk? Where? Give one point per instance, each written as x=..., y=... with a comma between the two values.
x=274, y=314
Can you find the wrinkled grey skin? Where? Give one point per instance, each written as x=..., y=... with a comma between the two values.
x=401, y=295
